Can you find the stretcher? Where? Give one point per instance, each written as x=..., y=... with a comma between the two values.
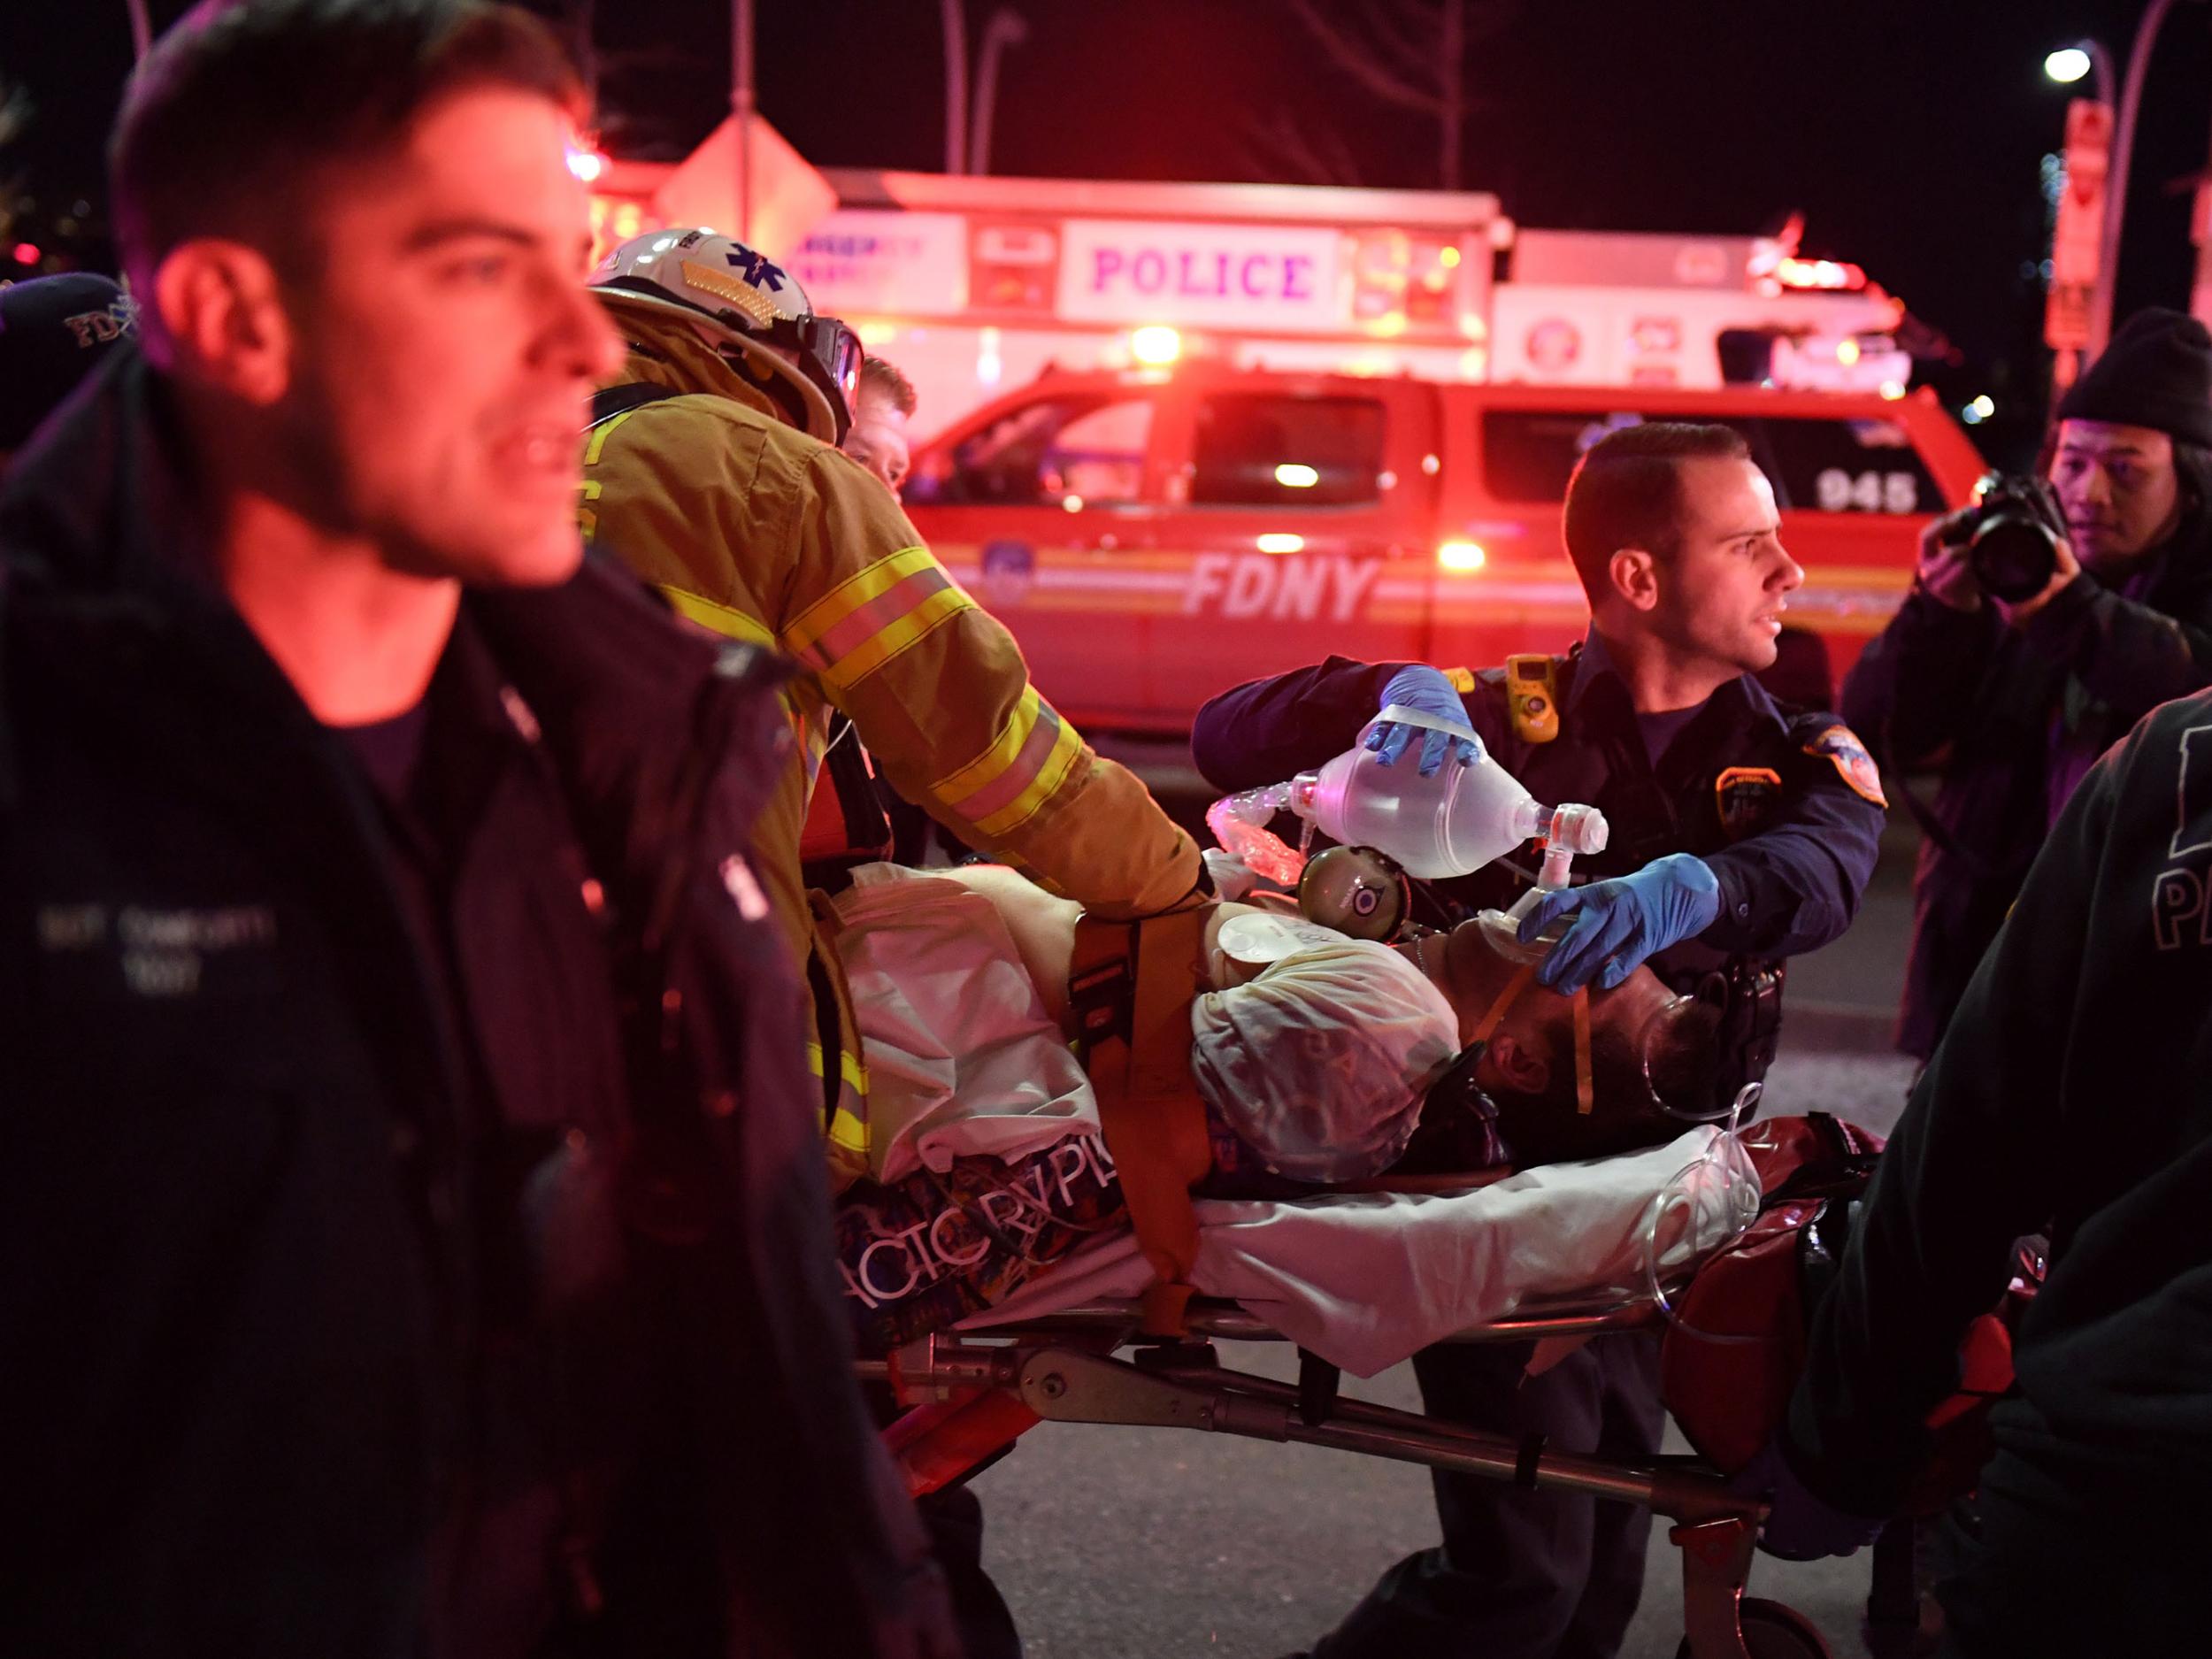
x=972, y=1391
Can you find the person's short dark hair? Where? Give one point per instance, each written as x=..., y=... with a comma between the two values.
x=885, y=380
x=245, y=106
x=1626, y=492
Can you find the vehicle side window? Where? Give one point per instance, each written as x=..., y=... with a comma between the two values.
x=1529, y=454
x=1827, y=465
x=1088, y=451
x=1260, y=449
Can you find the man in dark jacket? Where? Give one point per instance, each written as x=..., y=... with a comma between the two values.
x=2073, y=1090
x=2012, y=701
x=1741, y=834
x=412, y=1232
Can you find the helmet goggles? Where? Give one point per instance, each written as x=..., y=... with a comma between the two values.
x=829, y=354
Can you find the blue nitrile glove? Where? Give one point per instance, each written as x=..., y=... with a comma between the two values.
x=1426, y=689
x=1802, y=1525
x=1619, y=923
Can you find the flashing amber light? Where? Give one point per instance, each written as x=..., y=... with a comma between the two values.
x=1155, y=345
x=1448, y=257
x=1295, y=475
x=1818, y=274
x=1281, y=542
x=1847, y=352
x=1460, y=556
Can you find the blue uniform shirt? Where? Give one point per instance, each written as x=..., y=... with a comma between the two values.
x=1785, y=806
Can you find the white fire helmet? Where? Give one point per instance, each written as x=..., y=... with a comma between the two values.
x=751, y=311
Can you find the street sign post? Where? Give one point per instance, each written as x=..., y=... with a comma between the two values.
x=2077, y=243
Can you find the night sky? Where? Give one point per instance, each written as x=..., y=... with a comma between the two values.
x=1909, y=132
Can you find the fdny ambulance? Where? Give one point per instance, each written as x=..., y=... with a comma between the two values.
x=1154, y=537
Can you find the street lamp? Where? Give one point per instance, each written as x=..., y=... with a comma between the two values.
x=2070, y=64
x=1005, y=29
x=2123, y=149
x=954, y=19
x=2067, y=65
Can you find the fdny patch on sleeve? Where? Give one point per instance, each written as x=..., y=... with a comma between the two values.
x=1840, y=744
x=1746, y=796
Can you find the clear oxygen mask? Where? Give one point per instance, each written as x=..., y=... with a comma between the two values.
x=1449, y=824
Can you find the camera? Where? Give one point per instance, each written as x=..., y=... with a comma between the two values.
x=2012, y=540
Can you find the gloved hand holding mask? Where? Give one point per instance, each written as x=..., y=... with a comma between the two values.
x=1420, y=687
x=1616, y=925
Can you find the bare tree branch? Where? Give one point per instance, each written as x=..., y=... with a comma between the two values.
x=1338, y=155
x=1355, y=60
x=1276, y=149
x=1407, y=33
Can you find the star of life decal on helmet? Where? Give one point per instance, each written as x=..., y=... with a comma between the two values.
x=756, y=268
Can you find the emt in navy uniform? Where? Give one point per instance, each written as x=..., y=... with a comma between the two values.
x=413, y=1237
x=1742, y=834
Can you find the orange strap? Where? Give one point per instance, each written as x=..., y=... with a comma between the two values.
x=1507, y=997
x=1148, y=1099
x=1585, y=1091
x=1586, y=1094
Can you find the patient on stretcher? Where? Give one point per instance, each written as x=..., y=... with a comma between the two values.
x=1339, y=1061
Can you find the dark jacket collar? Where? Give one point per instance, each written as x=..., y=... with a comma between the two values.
x=1594, y=667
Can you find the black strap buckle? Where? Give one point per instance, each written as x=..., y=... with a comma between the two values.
x=1104, y=1000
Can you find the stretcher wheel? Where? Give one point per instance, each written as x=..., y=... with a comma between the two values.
x=1772, y=1631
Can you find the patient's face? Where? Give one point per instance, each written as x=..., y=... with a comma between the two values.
x=1649, y=1053
x=1471, y=974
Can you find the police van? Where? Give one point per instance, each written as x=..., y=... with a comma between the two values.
x=1151, y=538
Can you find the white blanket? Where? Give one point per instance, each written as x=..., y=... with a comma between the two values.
x=962, y=1057
x=1366, y=1280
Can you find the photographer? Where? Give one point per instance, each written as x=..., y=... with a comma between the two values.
x=2011, y=690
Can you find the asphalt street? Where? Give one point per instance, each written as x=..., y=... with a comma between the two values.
x=1111, y=1541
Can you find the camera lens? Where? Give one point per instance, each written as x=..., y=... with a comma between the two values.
x=2014, y=555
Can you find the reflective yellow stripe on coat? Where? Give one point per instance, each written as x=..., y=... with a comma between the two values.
x=848, y=1121
x=873, y=615
x=1003, y=787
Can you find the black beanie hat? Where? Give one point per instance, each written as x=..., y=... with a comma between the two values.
x=53, y=332
x=2157, y=372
